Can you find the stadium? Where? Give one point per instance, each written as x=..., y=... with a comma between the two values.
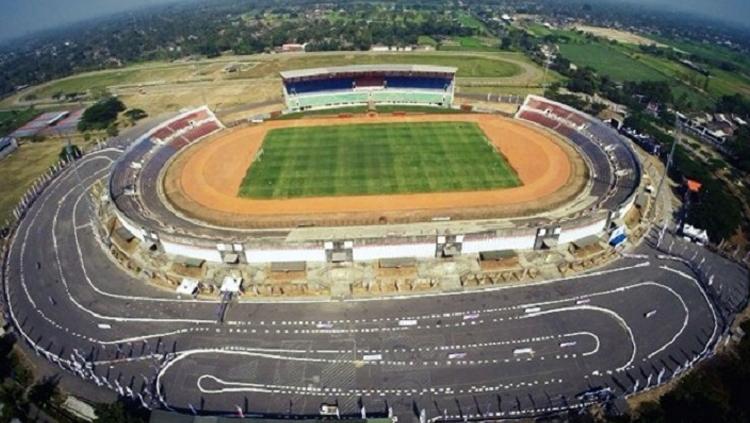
x=375, y=248
x=385, y=185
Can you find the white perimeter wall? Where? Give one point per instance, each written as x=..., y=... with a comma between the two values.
x=270, y=256
x=627, y=206
x=375, y=252
x=192, y=252
x=137, y=232
x=525, y=242
x=574, y=234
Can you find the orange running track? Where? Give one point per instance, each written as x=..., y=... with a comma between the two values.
x=203, y=181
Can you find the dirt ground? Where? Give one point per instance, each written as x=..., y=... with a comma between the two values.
x=203, y=181
x=617, y=35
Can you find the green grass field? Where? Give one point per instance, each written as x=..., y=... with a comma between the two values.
x=482, y=44
x=12, y=119
x=608, y=60
x=468, y=65
x=376, y=159
x=19, y=170
x=627, y=63
x=425, y=40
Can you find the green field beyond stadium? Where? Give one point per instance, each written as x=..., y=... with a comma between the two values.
x=387, y=158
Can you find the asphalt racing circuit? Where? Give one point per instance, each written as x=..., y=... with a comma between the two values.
x=502, y=351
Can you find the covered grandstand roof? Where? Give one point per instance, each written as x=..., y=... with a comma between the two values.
x=305, y=73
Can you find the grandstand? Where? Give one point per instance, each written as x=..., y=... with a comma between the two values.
x=614, y=175
x=616, y=171
x=321, y=88
x=137, y=172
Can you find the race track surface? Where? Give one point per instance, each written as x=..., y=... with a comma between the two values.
x=627, y=326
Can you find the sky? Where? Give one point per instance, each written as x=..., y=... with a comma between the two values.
x=23, y=17
x=736, y=11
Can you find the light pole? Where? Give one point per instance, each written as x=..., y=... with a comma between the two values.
x=670, y=158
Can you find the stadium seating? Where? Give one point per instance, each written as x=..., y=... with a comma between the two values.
x=184, y=122
x=577, y=119
x=322, y=100
x=417, y=82
x=369, y=82
x=334, y=84
x=331, y=84
x=162, y=134
x=200, y=131
x=598, y=141
x=398, y=96
x=178, y=143
x=354, y=88
x=539, y=118
x=535, y=104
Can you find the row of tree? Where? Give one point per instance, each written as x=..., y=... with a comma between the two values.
x=209, y=28
x=720, y=222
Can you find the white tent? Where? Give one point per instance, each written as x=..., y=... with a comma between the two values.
x=231, y=284
x=698, y=235
x=187, y=286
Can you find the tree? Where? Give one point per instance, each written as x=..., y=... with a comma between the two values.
x=121, y=411
x=45, y=392
x=69, y=152
x=135, y=114
x=506, y=43
x=100, y=115
x=740, y=148
x=734, y=104
x=112, y=130
x=658, y=91
x=714, y=209
x=14, y=401
x=583, y=80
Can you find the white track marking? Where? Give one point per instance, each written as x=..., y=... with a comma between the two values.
x=11, y=310
x=281, y=356
x=684, y=322
x=80, y=306
x=281, y=389
x=596, y=340
x=236, y=387
x=606, y=311
x=705, y=297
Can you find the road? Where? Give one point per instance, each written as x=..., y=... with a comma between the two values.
x=501, y=351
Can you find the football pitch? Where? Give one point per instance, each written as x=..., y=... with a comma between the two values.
x=384, y=158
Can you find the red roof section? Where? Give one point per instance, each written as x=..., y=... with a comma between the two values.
x=694, y=186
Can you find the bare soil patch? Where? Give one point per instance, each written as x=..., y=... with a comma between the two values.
x=618, y=35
